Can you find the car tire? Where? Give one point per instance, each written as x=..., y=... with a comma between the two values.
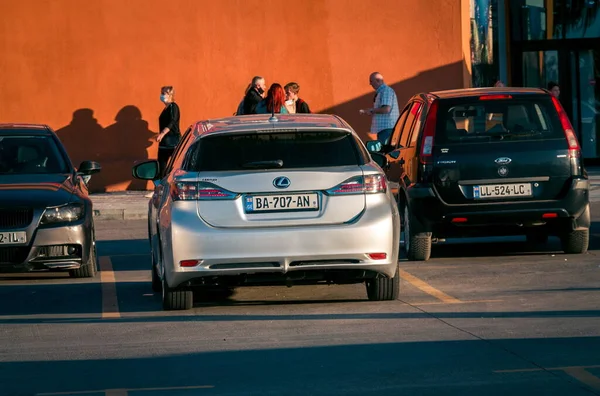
x=576, y=242
x=89, y=269
x=176, y=300
x=383, y=289
x=418, y=245
x=156, y=282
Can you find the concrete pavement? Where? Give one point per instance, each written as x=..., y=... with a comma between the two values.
x=133, y=205
x=477, y=319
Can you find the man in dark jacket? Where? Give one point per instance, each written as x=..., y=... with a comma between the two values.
x=254, y=95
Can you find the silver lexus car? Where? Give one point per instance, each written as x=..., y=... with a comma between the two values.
x=271, y=200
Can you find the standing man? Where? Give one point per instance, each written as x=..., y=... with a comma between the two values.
x=254, y=95
x=385, y=110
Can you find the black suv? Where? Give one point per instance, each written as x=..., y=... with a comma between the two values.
x=487, y=162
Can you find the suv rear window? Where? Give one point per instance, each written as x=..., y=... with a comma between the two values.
x=280, y=150
x=471, y=120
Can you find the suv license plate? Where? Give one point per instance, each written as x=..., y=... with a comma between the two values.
x=13, y=238
x=279, y=203
x=502, y=190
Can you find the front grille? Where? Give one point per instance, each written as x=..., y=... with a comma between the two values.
x=13, y=255
x=11, y=218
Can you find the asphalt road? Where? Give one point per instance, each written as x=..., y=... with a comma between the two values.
x=478, y=318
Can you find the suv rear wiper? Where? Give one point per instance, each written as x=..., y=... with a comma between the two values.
x=263, y=164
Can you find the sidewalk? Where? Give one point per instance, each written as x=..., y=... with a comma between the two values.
x=133, y=205
x=122, y=205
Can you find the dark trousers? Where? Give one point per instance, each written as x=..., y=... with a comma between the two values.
x=164, y=153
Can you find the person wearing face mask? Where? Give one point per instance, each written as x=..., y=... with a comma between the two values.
x=168, y=123
x=254, y=95
x=293, y=103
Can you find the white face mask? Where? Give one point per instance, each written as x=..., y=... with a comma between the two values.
x=289, y=102
x=163, y=98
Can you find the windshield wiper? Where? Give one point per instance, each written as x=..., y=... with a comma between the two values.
x=263, y=164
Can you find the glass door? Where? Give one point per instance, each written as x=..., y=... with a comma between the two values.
x=586, y=101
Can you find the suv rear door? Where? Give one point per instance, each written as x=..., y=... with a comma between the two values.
x=279, y=178
x=499, y=147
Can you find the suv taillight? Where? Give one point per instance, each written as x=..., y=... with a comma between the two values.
x=199, y=191
x=426, y=155
x=368, y=184
x=572, y=142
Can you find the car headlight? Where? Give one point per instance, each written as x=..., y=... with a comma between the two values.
x=62, y=214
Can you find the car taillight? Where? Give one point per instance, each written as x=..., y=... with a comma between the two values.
x=495, y=97
x=369, y=184
x=429, y=134
x=199, y=191
x=574, y=148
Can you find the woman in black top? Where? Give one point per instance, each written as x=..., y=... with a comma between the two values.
x=168, y=123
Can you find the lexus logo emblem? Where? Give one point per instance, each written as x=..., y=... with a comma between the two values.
x=503, y=171
x=503, y=161
x=281, y=182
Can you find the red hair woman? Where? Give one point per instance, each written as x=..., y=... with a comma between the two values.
x=275, y=100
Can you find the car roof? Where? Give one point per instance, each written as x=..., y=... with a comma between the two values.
x=30, y=129
x=467, y=92
x=262, y=123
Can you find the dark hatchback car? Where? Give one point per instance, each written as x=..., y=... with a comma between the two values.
x=46, y=221
x=487, y=162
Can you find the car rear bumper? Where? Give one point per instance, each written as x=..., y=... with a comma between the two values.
x=49, y=250
x=231, y=252
x=436, y=216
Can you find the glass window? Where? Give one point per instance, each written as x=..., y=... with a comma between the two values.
x=398, y=128
x=282, y=150
x=476, y=121
x=414, y=109
x=30, y=154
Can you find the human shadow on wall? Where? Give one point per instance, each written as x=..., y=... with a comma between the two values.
x=117, y=147
x=445, y=77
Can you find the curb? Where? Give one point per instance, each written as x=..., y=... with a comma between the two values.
x=120, y=214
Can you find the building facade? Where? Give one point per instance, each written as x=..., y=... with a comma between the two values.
x=532, y=43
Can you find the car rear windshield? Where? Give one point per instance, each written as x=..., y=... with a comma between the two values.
x=473, y=120
x=283, y=150
x=30, y=154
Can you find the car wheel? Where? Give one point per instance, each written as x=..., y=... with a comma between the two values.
x=383, y=289
x=156, y=282
x=576, y=242
x=176, y=300
x=416, y=245
x=537, y=238
x=89, y=269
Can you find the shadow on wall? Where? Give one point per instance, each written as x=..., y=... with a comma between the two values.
x=441, y=78
x=117, y=147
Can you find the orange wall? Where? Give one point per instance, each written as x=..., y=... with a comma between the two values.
x=61, y=57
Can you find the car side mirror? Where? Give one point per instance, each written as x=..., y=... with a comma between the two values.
x=147, y=170
x=380, y=159
x=395, y=154
x=374, y=146
x=88, y=168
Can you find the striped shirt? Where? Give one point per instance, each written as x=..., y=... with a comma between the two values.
x=385, y=96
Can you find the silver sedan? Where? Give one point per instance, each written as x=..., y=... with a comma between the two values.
x=260, y=200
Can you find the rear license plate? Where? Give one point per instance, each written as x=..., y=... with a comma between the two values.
x=279, y=203
x=502, y=190
x=13, y=238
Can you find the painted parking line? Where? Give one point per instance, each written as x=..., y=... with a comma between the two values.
x=110, y=303
x=427, y=288
x=580, y=373
x=125, y=392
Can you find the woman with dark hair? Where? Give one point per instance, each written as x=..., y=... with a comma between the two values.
x=293, y=103
x=168, y=123
x=274, y=102
x=554, y=89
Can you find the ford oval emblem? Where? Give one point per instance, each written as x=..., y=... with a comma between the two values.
x=503, y=161
x=281, y=182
